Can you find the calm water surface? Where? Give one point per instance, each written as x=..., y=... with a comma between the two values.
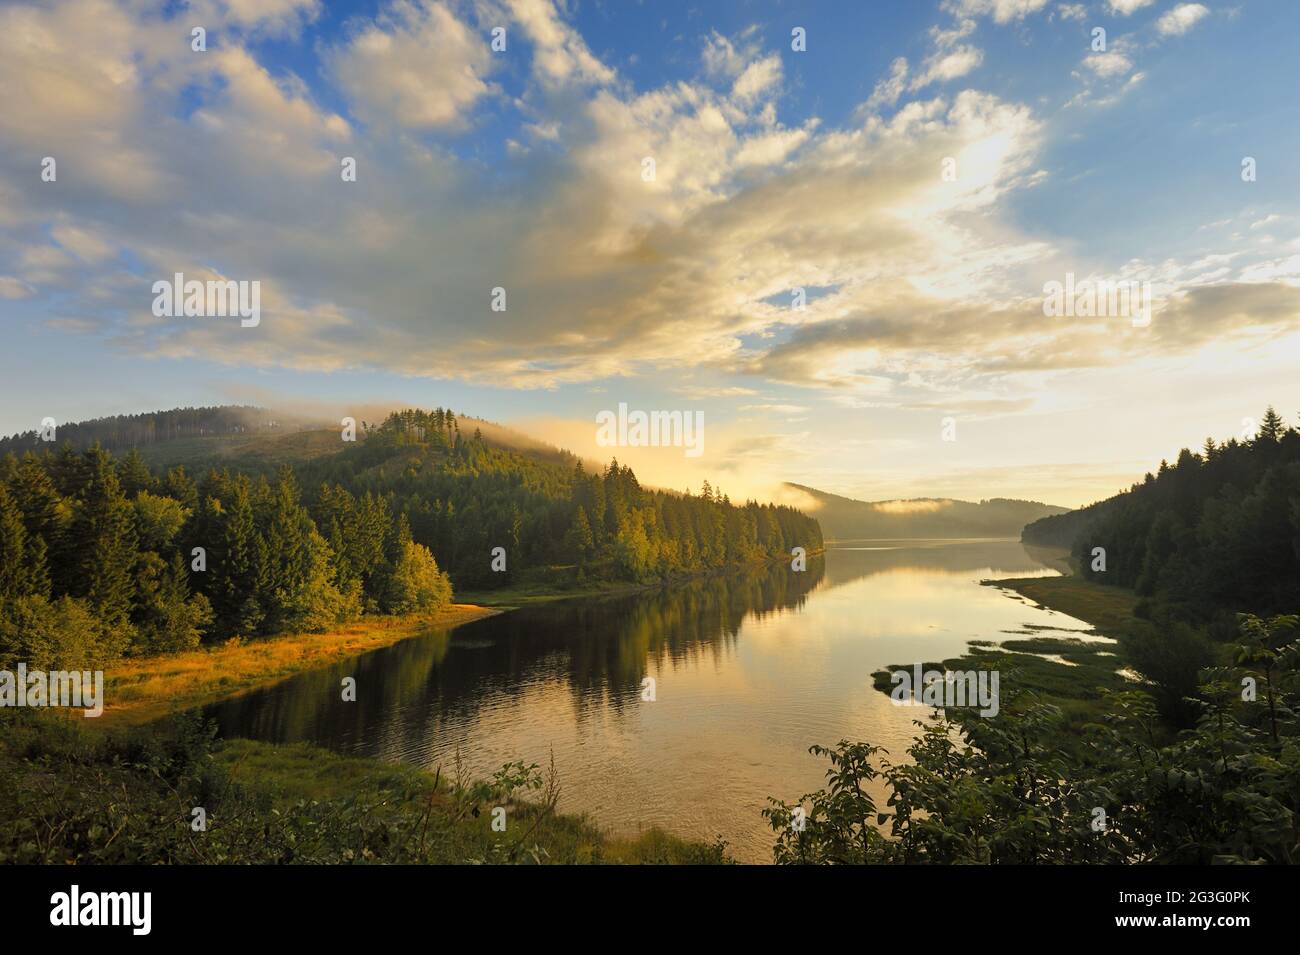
x=750, y=670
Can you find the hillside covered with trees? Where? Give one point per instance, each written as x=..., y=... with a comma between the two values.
x=102, y=555
x=153, y=427
x=1211, y=535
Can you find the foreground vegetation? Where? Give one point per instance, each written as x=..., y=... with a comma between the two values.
x=71, y=796
x=1223, y=789
x=1197, y=762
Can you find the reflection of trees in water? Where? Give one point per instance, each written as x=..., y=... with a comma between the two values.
x=310, y=705
x=674, y=625
x=421, y=689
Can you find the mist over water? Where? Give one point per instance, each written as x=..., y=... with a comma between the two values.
x=750, y=669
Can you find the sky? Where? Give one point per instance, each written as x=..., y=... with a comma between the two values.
x=650, y=183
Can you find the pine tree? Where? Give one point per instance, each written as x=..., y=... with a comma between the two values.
x=1272, y=427
x=578, y=541
x=236, y=598
x=134, y=474
x=106, y=542
x=14, y=579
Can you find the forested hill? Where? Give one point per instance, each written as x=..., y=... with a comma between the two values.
x=1213, y=534
x=98, y=550
x=120, y=432
x=844, y=518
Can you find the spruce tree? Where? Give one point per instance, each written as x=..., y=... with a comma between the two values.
x=105, y=539
x=14, y=579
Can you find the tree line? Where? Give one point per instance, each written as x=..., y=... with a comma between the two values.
x=100, y=556
x=151, y=427
x=464, y=496
x=1215, y=533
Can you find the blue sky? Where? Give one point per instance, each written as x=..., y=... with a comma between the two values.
x=775, y=168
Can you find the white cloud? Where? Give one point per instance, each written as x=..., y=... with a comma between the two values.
x=1181, y=18
x=948, y=66
x=271, y=16
x=84, y=244
x=419, y=67
x=13, y=288
x=1128, y=7
x=888, y=90
x=758, y=78
x=607, y=273
x=771, y=148
x=561, y=55
x=1002, y=11
x=1110, y=64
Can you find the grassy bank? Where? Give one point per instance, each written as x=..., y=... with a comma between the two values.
x=1108, y=609
x=72, y=795
x=144, y=689
x=115, y=790
x=297, y=773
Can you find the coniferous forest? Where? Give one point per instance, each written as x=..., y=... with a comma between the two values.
x=1215, y=533
x=100, y=556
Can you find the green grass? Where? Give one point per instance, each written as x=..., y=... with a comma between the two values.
x=1108, y=609
x=296, y=772
x=1089, y=668
x=73, y=795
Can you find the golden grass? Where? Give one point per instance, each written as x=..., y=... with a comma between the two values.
x=147, y=688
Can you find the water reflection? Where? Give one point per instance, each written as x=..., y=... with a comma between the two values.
x=750, y=669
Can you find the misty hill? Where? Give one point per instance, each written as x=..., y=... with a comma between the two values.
x=230, y=423
x=843, y=518
x=248, y=437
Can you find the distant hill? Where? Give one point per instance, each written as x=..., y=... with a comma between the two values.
x=211, y=427
x=844, y=518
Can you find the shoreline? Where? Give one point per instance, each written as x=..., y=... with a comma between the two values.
x=142, y=689
x=523, y=594
x=1108, y=609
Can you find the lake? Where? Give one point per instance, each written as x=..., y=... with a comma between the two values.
x=750, y=669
